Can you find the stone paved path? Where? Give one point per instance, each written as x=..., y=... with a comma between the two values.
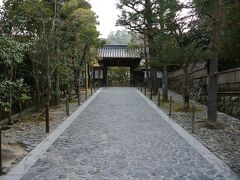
x=120, y=136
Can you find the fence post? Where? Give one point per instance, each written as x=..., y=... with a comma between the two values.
x=159, y=98
x=47, y=118
x=170, y=106
x=79, y=96
x=145, y=91
x=151, y=93
x=86, y=93
x=193, y=118
x=141, y=87
x=67, y=105
x=91, y=88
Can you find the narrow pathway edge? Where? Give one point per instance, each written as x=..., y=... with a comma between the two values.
x=28, y=161
x=217, y=163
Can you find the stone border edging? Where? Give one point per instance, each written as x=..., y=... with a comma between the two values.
x=212, y=159
x=28, y=161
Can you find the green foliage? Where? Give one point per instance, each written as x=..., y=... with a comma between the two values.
x=230, y=36
x=20, y=92
x=231, y=31
x=204, y=7
x=11, y=52
x=132, y=16
x=120, y=37
x=79, y=27
x=72, y=5
x=186, y=55
x=40, y=38
x=4, y=86
x=119, y=74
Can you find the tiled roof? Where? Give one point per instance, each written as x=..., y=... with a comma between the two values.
x=119, y=51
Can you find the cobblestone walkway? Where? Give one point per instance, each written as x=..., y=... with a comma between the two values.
x=120, y=136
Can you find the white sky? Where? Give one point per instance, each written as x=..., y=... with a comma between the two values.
x=107, y=12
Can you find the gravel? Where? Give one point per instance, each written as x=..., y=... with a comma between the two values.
x=224, y=143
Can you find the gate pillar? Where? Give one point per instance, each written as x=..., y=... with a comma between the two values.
x=105, y=75
x=132, y=68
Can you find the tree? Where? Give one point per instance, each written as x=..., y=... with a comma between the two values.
x=120, y=37
x=11, y=54
x=80, y=23
x=231, y=37
x=57, y=32
x=138, y=16
x=150, y=18
x=213, y=10
x=213, y=69
x=165, y=18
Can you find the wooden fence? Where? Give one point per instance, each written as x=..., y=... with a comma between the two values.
x=228, y=80
x=228, y=87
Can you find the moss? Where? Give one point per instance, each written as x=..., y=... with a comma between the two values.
x=75, y=100
x=164, y=103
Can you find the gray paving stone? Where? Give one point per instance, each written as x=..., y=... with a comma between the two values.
x=119, y=136
x=224, y=143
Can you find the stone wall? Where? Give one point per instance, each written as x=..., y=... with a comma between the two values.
x=228, y=88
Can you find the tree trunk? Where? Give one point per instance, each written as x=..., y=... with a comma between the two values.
x=37, y=85
x=74, y=65
x=69, y=91
x=186, y=88
x=38, y=95
x=154, y=82
x=49, y=87
x=150, y=36
x=165, y=84
x=47, y=65
x=57, y=90
x=146, y=62
x=20, y=108
x=78, y=89
x=10, y=119
x=213, y=71
x=86, y=76
x=91, y=77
